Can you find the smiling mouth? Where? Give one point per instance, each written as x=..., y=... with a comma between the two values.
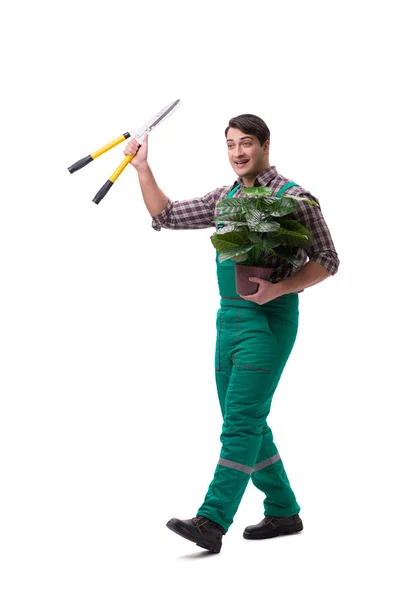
x=241, y=163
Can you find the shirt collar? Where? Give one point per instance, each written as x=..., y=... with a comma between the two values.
x=264, y=178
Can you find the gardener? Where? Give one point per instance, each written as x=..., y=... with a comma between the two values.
x=255, y=336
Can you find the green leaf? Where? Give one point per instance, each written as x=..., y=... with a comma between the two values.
x=286, y=232
x=264, y=243
x=256, y=239
x=253, y=217
x=293, y=233
x=231, y=204
x=288, y=255
x=234, y=217
x=267, y=226
x=265, y=204
x=269, y=243
x=296, y=198
x=240, y=259
x=233, y=227
x=226, y=241
x=281, y=207
x=237, y=255
x=257, y=191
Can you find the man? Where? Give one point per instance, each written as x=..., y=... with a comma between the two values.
x=255, y=336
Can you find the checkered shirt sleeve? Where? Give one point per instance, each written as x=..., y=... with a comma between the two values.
x=322, y=250
x=190, y=214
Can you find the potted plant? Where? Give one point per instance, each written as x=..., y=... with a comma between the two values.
x=258, y=228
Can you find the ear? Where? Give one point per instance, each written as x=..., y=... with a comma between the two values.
x=266, y=147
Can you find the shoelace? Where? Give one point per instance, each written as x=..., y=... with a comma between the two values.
x=199, y=520
x=201, y=523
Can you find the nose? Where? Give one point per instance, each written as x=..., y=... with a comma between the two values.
x=238, y=152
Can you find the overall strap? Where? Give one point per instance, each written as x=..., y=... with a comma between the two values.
x=285, y=187
x=230, y=195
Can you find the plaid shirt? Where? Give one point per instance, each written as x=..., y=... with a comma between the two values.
x=198, y=213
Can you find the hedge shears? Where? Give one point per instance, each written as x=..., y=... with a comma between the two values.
x=138, y=134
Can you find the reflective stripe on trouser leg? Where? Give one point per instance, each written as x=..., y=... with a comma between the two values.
x=246, y=357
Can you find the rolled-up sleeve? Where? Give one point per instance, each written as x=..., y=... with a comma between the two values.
x=322, y=250
x=197, y=213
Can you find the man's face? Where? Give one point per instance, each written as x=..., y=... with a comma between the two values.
x=246, y=155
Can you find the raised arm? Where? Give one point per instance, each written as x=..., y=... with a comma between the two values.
x=188, y=214
x=153, y=196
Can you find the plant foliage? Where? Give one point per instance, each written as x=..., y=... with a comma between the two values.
x=256, y=229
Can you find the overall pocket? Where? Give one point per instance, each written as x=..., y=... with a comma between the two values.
x=255, y=344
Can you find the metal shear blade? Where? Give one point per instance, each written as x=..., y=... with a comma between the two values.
x=154, y=121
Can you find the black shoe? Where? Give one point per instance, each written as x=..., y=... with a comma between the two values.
x=272, y=526
x=200, y=530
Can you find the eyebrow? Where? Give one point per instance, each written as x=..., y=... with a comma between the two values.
x=242, y=138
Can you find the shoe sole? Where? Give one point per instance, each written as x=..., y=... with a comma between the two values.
x=270, y=534
x=213, y=547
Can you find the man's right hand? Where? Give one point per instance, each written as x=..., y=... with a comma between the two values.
x=140, y=159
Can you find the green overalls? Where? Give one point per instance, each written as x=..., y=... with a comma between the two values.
x=252, y=347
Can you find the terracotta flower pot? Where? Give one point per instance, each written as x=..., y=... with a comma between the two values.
x=244, y=287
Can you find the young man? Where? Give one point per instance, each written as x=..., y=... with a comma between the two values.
x=255, y=336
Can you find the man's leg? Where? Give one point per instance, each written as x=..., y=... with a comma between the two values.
x=246, y=339
x=269, y=474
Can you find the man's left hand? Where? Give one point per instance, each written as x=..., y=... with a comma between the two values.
x=266, y=292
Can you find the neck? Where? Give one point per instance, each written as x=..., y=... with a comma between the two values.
x=248, y=180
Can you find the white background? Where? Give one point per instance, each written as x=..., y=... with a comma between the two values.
x=110, y=421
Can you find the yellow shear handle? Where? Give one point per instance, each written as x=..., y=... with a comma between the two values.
x=106, y=187
x=115, y=142
x=85, y=161
x=121, y=167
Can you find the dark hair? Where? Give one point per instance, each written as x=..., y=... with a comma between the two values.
x=250, y=124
